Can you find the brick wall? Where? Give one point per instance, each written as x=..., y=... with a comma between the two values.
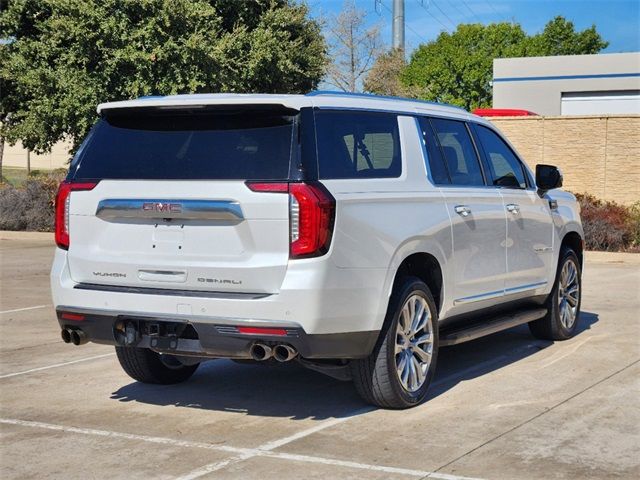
x=597, y=154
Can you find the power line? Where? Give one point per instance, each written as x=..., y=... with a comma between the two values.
x=472, y=12
x=406, y=24
x=453, y=4
x=442, y=12
x=434, y=17
x=494, y=10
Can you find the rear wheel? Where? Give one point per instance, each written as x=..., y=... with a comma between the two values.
x=147, y=366
x=398, y=372
x=563, y=304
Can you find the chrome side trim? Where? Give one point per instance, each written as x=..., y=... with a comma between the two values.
x=118, y=208
x=499, y=293
x=524, y=288
x=482, y=296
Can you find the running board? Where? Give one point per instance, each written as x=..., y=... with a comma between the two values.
x=477, y=330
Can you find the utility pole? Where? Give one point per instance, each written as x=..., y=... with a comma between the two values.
x=398, y=24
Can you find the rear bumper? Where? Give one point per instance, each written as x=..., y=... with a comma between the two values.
x=180, y=336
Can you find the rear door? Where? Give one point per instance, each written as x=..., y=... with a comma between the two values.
x=477, y=215
x=171, y=209
x=529, y=225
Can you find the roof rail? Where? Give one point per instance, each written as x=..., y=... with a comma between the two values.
x=319, y=93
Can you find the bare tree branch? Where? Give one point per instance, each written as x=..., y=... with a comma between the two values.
x=353, y=47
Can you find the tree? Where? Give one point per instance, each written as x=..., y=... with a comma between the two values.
x=384, y=76
x=559, y=37
x=352, y=47
x=457, y=68
x=63, y=57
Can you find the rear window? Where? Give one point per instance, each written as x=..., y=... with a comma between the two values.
x=189, y=145
x=357, y=145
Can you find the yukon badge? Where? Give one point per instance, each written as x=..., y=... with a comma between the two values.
x=110, y=274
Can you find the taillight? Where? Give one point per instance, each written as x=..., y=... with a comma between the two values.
x=311, y=216
x=62, y=209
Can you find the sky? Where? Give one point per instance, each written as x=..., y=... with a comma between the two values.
x=617, y=21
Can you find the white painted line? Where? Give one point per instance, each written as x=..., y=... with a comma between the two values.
x=56, y=365
x=240, y=453
x=25, y=309
x=213, y=467
x=364, y=466
x=310, y=431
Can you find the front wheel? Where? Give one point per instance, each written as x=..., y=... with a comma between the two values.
x=563, y=304
x=398, y=372
x=147, y=366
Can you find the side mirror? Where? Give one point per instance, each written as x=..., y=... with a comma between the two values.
x=548, y=177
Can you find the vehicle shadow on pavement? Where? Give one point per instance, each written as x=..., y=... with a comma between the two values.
x=289, y=390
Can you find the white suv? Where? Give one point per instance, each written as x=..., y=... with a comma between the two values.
x=354, y=234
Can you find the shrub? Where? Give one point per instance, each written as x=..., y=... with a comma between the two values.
x=31, y=206
x=609, y=226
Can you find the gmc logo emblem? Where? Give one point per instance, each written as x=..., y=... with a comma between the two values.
x=162, y=207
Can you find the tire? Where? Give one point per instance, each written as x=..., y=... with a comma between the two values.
x=147, y=366
x=377, y=378
x=555, y=326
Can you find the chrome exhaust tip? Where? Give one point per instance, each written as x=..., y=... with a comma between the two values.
x=284, y=353
x=65, y=333
x=260, y=352
x=78, y=337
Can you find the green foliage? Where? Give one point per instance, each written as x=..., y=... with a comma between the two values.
x=559, y=37
x=457, y=68
x=66, y=56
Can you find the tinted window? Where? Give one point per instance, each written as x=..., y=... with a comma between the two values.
x=506, y=170
x=357, y=145
x=436, y=161
x=459, y=153
x=239, y=145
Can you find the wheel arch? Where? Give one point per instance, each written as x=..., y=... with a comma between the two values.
x=574, y=240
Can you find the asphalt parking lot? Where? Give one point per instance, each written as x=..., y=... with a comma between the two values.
x=506, y=406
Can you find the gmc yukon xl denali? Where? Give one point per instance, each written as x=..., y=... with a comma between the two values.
x=353, y=234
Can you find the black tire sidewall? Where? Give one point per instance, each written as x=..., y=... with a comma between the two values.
x=410, y=287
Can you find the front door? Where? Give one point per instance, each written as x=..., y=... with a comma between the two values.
x=529, y=225
x=477, y=217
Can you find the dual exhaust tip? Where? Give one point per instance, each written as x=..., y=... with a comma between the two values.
x=75, y=336
x=282, y=352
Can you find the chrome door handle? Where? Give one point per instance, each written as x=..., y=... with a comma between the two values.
x=513, y=208
x=463, y=210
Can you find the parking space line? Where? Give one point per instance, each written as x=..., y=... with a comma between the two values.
x=240, y=454
x=56, y=365
x=24, y=309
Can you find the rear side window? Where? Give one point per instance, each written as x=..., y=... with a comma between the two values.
x=181, y=145
x=459, y=152
x=357, y=145
x=504, y=166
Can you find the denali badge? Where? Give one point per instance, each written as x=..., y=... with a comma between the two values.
x=110, y=274
x=220, y=280
x=162, y=207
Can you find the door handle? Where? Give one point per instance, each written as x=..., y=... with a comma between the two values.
x=513, y=208
x=463, y=210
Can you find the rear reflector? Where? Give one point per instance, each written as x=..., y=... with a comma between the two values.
x=72, y=316
x=262, y=331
